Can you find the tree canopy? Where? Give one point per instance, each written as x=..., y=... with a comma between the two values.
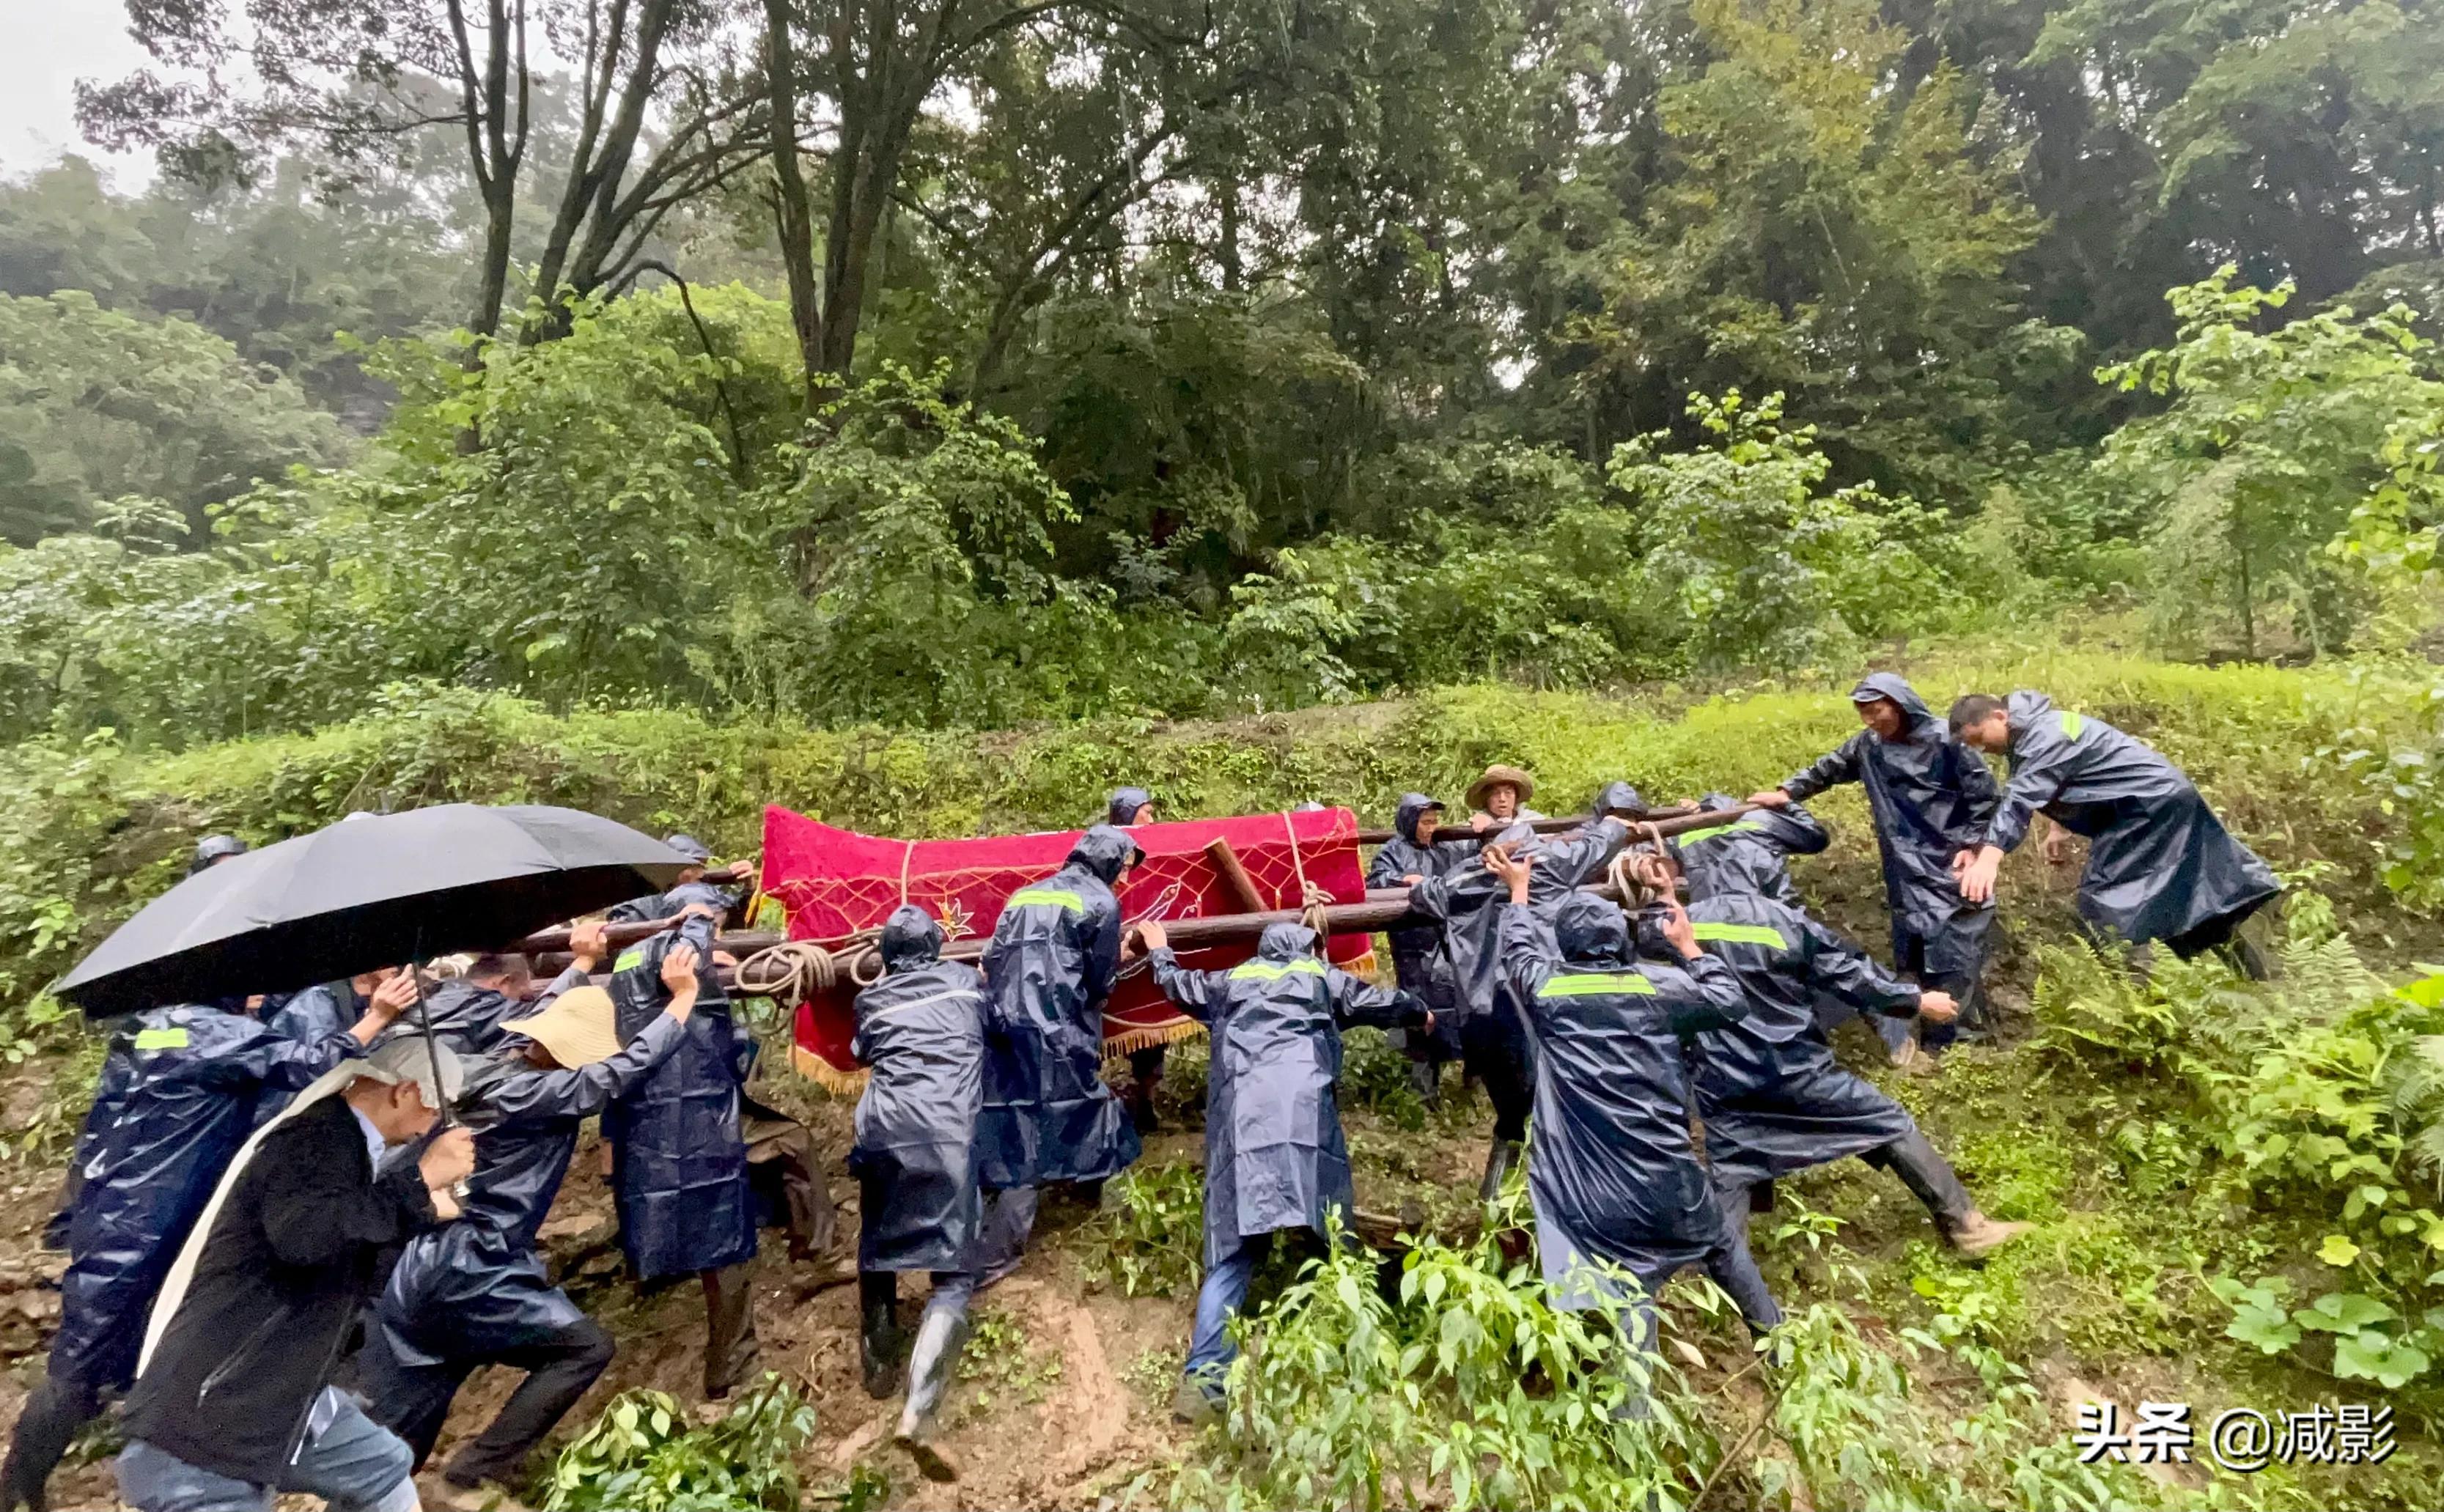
x=976, y=361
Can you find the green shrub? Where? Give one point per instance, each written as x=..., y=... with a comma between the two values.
x=1149, y=1237
x=640, y=1455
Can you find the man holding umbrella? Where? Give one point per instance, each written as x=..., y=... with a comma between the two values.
x=316, y=907
x=234, y=1402
x=186, y=1084
x=476, y=1292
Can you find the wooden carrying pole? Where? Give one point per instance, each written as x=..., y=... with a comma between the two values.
x=1457, y=833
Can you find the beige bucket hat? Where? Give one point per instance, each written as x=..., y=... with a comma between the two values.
x=579, y=1028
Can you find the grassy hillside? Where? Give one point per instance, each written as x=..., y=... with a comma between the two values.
x=2234, y=1187
x=90, y=831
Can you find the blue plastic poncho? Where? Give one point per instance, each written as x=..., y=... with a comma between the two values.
x=1467, y=903
x=1611, y=1167
x=1055, y=952
x=923, y=1030
x=1748, y=855
x=678, y=1164
x=1418, y=955
x=184, y=1100
x=1771, y=1097
x=1274, y=1157
x=2161, y=866
x=1932, y=798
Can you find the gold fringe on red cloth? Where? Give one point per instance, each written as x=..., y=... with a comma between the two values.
x=1130, y=1041
x=824, y=1075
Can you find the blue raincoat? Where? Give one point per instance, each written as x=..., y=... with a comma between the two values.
x=678, y=1170
x=316, y=1013
x=2161, y=866
x=1055, y=954
x=465, y=1016
x=1418, y=955
x=1611, y=1173
x=655, y=906
x=1772, y=1098
x=475, y=1289
x=1274, y=1157
x=1468, y=902
x=183, y=1101
x=1932, y=798
x=1748, y=855
x=923, y=1030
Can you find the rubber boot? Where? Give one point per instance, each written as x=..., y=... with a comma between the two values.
x=1498, y=1162
x=938, y=1340
x=1193, y=1405
x=878, y=1339
x=730, y=1349
x=1427, y=1078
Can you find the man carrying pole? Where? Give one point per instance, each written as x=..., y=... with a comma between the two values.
x=1614, y=1179
x=1494, y=1037
x=1772, y=1100
x=921, y=1029
x=1047, y=1116
x=475, y=1292
x=1274, y=1156
x=1407, y=859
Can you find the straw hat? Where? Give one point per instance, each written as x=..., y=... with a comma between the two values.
x=1495, y=776
x=579, y=1028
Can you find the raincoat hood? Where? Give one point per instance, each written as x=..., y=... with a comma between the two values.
x=910, y=938
x=688, y=846
x=1104, y=851
x=214, y=848
x=1286, y=942
x=1617, y=798
x=1893, y=685
x=1591, y=932
x=1414, y=806
x=1125, y=803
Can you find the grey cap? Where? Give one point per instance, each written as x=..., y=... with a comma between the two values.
x=407, y=1058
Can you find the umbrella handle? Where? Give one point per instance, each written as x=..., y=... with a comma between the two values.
x=431, y=1046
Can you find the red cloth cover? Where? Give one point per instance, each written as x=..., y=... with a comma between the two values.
x=831, y=883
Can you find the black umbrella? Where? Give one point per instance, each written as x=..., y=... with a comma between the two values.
x=368, y=892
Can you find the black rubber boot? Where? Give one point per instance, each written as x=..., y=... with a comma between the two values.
x=878, y=1339
x=939, y=1339
x=1498, y=1162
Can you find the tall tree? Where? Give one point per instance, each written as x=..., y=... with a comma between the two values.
x=660, y=117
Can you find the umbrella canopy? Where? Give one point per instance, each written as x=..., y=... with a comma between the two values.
x=378, y=891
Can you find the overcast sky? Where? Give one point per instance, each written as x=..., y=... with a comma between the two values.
x=46, y=45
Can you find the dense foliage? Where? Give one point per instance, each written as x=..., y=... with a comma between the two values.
x=1204, y=362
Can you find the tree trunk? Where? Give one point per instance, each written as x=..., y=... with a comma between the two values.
x=1233, y=274
x=500, y=212
x=796, y=215
x=600, y=164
